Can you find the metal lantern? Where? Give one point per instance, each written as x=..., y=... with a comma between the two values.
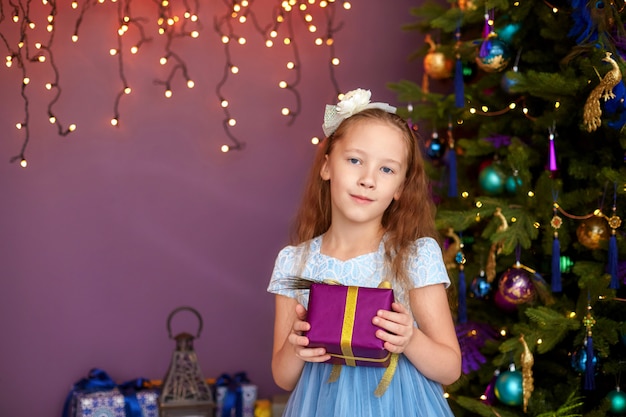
x=185, y=392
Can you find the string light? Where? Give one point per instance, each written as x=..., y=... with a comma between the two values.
x=173, y=24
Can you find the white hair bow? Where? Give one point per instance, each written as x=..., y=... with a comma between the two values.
x=353, y=102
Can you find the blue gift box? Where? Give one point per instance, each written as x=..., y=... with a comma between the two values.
x=235, y=396
x=113, y=404
x=97, y=395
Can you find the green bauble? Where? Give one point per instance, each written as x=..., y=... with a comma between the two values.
x=491, y=180
x=509, y=388
x=618, y=401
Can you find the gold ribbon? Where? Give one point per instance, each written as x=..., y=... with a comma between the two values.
x=348, y=325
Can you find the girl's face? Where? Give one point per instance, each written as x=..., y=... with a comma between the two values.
x=366, y=169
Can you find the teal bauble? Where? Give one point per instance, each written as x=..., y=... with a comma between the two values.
x=491, y=180
x=512, y=184
x=509, y=389
x=618, y=401
x=493, y=55
x=508, y=32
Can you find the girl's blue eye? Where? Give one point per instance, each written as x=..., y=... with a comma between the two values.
x=387, y=170
x=353, y=160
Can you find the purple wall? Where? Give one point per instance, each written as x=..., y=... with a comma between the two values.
x=110, y=229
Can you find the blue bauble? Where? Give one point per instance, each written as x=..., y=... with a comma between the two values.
x=579, y=360
x=618, y=401
x=509, y=389
x=508, y=81
x=480, y=287
x=494, y=55
x=512, y=184
x=435, y=148
x=491, y=180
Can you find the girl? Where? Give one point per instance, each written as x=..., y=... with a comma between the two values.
x=367, y=216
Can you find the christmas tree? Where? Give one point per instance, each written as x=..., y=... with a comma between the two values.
x=523, y=120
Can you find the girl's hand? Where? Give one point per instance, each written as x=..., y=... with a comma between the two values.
x=396, y=327
x=300, y=342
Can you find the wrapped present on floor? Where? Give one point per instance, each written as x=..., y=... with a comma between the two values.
x=98, y=395
x=235, y=396
x=341, y=321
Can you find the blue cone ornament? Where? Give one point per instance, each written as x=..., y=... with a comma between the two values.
x=480, y=288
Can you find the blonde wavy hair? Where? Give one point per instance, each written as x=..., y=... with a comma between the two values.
x=410, y=217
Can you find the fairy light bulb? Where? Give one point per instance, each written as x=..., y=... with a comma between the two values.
x=269, y=43
x=19, y=126
x=113, y=51
x=52, y=119
x=16, y=18
x=23, y=163
x=50, y=28
x=48, y=86
x=127, y=90
x=291, y=65
x=285, y=111
x=319, y=41
x=195, y=34
x=134, y=49
x=224, y=103
x=168, y=93
x=234, y=69
x=225, y=148
x=225, y=39
x=114, y=122
x=242, y=19
x=308, y=18
x=232, y=122
x=26, y=80
x=335, y=61
x=282, y=84
x=71, y=127
x=241, y=41
x=74, y=38
x=163, y=61
x=330, y=41
x=190, y=84
x=273, y=34
x=315, y=140
x=347, y=5
x=287, y=41
x=312, y=28
x=41, y=58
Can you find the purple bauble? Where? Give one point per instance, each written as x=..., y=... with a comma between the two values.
x=516, y=286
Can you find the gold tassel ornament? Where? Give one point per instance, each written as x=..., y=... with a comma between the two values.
x=528, y=383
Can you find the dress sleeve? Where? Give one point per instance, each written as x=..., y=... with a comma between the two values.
x=426, y=266
x=284, y=267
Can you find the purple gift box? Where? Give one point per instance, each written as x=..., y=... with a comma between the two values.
x=341, y=321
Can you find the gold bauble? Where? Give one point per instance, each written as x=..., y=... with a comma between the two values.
x=592, y=232
x=437, y=66
x=467, y=5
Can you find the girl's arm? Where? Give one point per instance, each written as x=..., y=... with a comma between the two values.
x=290, y=351
x=433, y=347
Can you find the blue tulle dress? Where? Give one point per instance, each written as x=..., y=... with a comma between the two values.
x=410, y=394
